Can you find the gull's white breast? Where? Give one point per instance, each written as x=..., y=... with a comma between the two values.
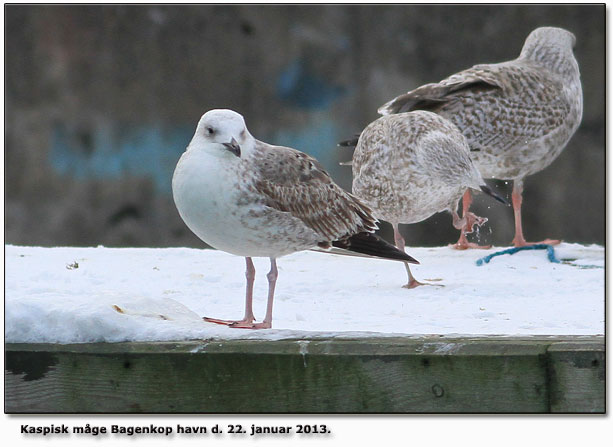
x=215, y=197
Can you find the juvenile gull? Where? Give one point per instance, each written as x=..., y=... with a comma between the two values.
x=408, y=166
x=251, y=199
x=517, y=116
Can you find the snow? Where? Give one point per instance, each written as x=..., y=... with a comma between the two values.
x=68, y=295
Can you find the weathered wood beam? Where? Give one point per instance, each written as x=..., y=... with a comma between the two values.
x=371, y=375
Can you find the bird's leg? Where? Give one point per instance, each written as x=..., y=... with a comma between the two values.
x=250, y=275
x=399, y=241
x=272, y=281
x=466, y=224
x=516, y=197
x=248, y=318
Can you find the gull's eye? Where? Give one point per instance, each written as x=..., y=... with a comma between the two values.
x=210, y=130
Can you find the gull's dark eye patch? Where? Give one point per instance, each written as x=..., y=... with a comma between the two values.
x=210, y=130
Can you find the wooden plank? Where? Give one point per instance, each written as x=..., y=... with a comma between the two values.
x=577, y=374
x=376, y=375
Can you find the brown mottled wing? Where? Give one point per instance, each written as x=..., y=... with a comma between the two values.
x=433, y=96
x=498, y=105
x=296, y=183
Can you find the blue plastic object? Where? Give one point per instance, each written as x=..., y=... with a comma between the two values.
x=509, y=251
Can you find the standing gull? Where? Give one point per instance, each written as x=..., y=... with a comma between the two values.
x=251, y=199
x=517, y=116
x=411, y=165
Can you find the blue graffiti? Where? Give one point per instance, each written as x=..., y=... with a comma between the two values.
x=298, y=86
x=112, y=153
x=109, y=153
x=318, y=139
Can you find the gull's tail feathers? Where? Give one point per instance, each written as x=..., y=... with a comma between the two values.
x=490, y=192
x=367, y=245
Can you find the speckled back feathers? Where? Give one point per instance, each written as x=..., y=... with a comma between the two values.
x=411, y=165
x=516, y=115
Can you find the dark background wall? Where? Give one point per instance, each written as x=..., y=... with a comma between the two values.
x=102, y=100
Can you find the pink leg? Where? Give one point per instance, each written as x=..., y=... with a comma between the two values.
x=248, y=318
x=399, y=241
x=250, y=275
x=272, y=281
x=516, y=197
x=466, y=224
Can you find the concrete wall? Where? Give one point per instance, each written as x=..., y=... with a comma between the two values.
x=102, y=100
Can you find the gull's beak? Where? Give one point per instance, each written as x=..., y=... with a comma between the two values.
x=233, y=147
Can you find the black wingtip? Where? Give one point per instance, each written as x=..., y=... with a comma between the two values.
x=373, y=245
x=388, y=108
x=353, y=142
x=399, y=104
x=486, y=189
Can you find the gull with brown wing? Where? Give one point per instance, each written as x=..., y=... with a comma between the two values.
x=252, y=199
x=517, y=116
x=408, y=166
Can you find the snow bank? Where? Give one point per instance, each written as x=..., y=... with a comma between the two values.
x=68, y=295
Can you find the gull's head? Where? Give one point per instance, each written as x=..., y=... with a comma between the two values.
x=550, y=35
x=550, y=46
x=223, y=130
